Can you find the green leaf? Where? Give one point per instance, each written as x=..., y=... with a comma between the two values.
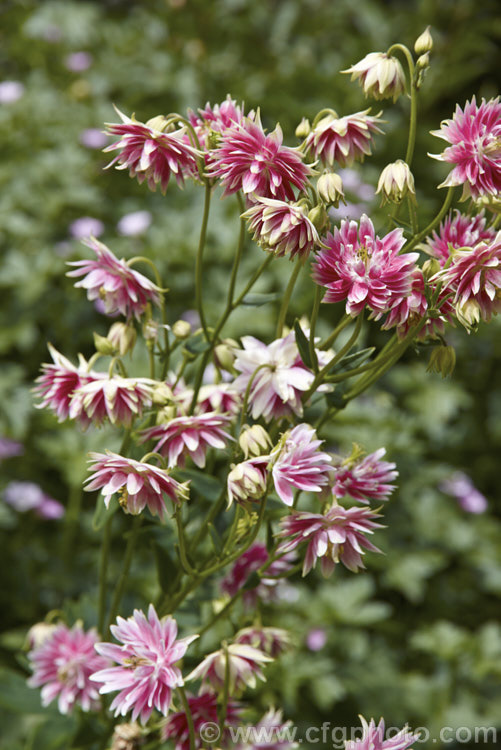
x=356, y=359
x=335, y=398
x=103, y=513
x=302, y=344
x=256, y=300
x=55, y=733
x=205, y=485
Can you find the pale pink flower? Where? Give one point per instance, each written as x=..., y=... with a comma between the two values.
x=343, y=139
x=189, y=436
x=247, y=480
x=380, y=75
x=222, y=398
x=150, y=153
x=457, y=232
x=474, y=134
x=316, y=639
x=62, y=665
x=336, y=536
x=365, y=478
x=258, y=164
x=245, y=664
x=134, y=224
x=272, y=641
x=460, y=486
x=86, y=226
x=203, y=709
x=93, y=138
x=248, y=563
x=146, y=675
x=138, y=484
x=10, y=91
x=58, y=382
x=107, y=278
x=272, y=733
x=359, y=267
x=25, y=496
x=119, y=400
x=77, y=62
x=373, y=738
x=298, y=464
x=282, y=228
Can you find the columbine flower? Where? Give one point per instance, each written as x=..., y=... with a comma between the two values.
x=247, y=564
x=247, y=480
x=122, y=289
x=475, y=151
x=219, y=397
x=191, y=436
x=216, y=119
x=272, y=733
x=336, y=536
x=460, y=486
x=258, y=164
x=359, y=267
x=25, y=496
x=365, y=479
x=456, y=232
x=245, y=665
x=475, y=277
x=138, y=484
x=282, y=228
x=299, y=464
x=62, y=666
x=118, y=399
x=343, y=139
x=203, y=709
x=151, y=154
x=146, y=675
x=58, y=382
x=380, y=75
x=276, y=387
x=395, y=182
x=373, y=738
x=271, y=641
x=410, y=309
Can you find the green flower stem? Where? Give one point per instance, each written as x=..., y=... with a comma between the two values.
x=226, y=689
x=345, y=320
x=328, y=414
x=222, y=612
x=238, y=254
x=313, y=325
x=120, y=587
x=247, y=395
x=189, y=717
x=445, y=207
x=287, y=296
x=213, y=511
x=199, y=261
x=103, y=569
x=183, y=556
x=150, y=345
x=413, y=114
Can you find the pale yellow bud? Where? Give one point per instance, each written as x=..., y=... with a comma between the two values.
x=224, y=355
x=150, y=330
x=430, y=268
x=469, y=313
x=127, y=737
x=103, y=345
x=181, y=329
x=318, y=217
x=39, y=633
x=162, y=394
x=254, y=440
x=303, y=129
x=395, y=182
x=423, y=62
x=123, y=336
x=330, y=189
x=166, y=414
x=442, y=360
x=424, y=42
x=160, y=123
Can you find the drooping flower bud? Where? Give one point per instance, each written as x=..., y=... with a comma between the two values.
x=103, y=345
x=127, y=737
x=423, y=62
x=318, y=217
x=303, y=129
x=396, y=182
x=224, y=355
x=424, y=42
x=430, y=268
x=469, y=314
x=247, y=480
x=162, y=395
x=442, y=360
x=330, y=189
x=150, y=330
x=159, y=123
x=123, y=336
x=380, y=75
x=254, y=440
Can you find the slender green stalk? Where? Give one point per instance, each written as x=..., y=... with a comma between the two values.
x=287, y=296
x=103, y=569
x=345, y=320
x=189, y=717
x=445, y=207
x=247, y=395
x=222, y=612
x=199, y=261
x=413, y=113
x=313, y=325
x=122, y=580
x=226, y=689
x=183, y=556
x=335, y=359
x=71, y=521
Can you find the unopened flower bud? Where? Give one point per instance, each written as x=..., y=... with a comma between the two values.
x=490, y=201
x=166, y=414
x=423, y=62
x=303, y=129
x=127, y=737
x=318, y=217
x=160, y=123
x=254, y=440
x=430, y=268
x=380, y=75
x=395, y=182
x=150, y=330
x=123, y=336
x=330, y=189
x=214, y=140
x=162, y=394
x=103, y=345
x=39, y=633
x=247, y=480
x=424, y=42
x=181, y=329
x=224, y=355
x=442, y=360
x=469, y=313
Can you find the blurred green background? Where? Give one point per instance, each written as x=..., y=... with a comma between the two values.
x=417, y=638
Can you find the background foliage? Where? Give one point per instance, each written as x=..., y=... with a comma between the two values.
x=417, y=637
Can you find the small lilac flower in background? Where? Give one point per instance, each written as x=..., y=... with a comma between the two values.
x=10, y=91
x=248, y=563
x=474, y=135
x=146, y=673
x=134, y=224
x=25, y=496
x=299, y=464
x=77, y=62
x=138, y=484
x=203, y=709
x=316, y=638
x=62, y=666
x=365, y=478
x=10, y=448
x=119, y=400
x=282, y=228
x=245, y=664
x=458, y=232
x=86, y=226
x=460, y=486
x=373, y=738
x=343, y=139
x=271, y=641
x=93, y=138
x=380, y=75
x=272, y=733
x=121, y=288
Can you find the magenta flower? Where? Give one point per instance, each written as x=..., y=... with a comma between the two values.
x=191, y=436
x=245, y=664
x=150, y=153
x=216, y=119
x=343, y=139
x=336, y=536
x=121, y=288
x=474, y=135
x=25, y=496
x=363, y=269
x=458, y=232
x=248, y=563
x=272, y=641
x=258, y=164
x=62, y=665
x=119, y=400
x=138, y=484
x=282, y=228
x=460, y=486
x=203, y=709
x=373, y=738
x=146, y=675
x=299, y=465
x=365, y=479
x=410, y=309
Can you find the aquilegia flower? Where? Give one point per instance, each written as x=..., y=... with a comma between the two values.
x=271, y=733
x=299, y=464
x=203, y=709
x=122, y=289
x=247, y=480
x=282, y=228
x=458, y=231
x=365, y=478
x=336, y=536
x=138, y=484
x=189, y=436
x=373, y=738
x=62, y=666
x=146, y=675
x=343, y=139
x=271, y=641
x=245, y=664
x=359, y=267
x=216, y=119
x=258, y=164
x=118, y=399
x=474, y=135
x=151, y=154
x=247, y=564
x=25, y=496
x=380, y=75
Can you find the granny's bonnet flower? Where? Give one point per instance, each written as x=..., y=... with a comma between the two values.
x=26, y=496
x=118, y=399
x=458, y=231
x=365, y=478
x=282, y=228
x=298, y=464
x=380, y=75
x=343, y=139
x=203, y=710
x=245, y=664
x=460, y=486
x=374, y=738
